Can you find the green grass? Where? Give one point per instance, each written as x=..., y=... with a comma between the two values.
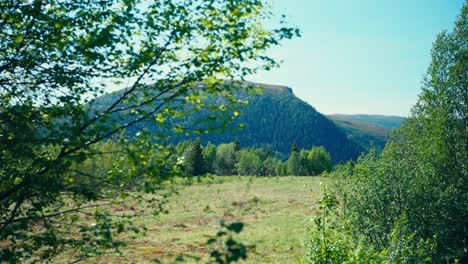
x=276, y=213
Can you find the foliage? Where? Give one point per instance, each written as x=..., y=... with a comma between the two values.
x=424, y=166
x=319, y=160
x=57, y=57
x=331, y=240
x=273, y=166
x=409, y=202
x=223, y=247
x=228, y=250
x=235, y=157
x=225, y=162
x=294, y=148
x=294, y=164
x=281, y=169
x=313, y=162
x=249, y=163
x=194, y=162
x=209, y=157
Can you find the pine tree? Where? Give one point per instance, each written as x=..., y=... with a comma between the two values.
x=293, y=165
x=237, y=146
x=294, y=148
x=235, y=157
x=194, y=160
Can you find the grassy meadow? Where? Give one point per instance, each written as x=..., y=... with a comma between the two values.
x=275, y=211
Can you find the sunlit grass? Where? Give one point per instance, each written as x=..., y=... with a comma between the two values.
x=275, y=211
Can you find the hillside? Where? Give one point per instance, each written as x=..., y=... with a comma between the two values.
x=276, y=119
x=384, y=121
x=367, y=130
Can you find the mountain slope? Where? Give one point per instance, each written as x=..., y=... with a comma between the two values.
x=367, y=130
x=384, y=121
x=276, y=119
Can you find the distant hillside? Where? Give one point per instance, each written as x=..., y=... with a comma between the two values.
x=367, y=130
x=378, y=120
x=275, y=119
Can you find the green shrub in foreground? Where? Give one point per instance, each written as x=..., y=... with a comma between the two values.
x=331, y=240
x=409, y=204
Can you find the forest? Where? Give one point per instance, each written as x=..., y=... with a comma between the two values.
x=129, y=134
x=232, y=159
x=274, y=118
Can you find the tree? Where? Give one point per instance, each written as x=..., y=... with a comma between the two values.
x=56, y=58
x=225, y=162
x=249, y=164
x=270, y=166
x=194, y=163
x=319, y=160
x=411, y=200
x=235, y=157
x=294, y=148
x=305, y=168
x=281, y=169
x=209, y=157
x=237, y=145
x=182, y=148
x=294, y=164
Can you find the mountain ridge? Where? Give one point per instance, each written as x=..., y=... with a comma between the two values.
x=386, y=121
x=366, y=129
x=274, y=119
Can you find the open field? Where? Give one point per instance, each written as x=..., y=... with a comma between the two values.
x=276, y=212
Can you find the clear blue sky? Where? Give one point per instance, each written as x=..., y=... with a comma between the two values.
x=361, y=56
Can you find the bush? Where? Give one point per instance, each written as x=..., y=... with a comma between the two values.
x=331, y=241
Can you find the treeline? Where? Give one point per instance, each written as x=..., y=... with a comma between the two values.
x=231, y=159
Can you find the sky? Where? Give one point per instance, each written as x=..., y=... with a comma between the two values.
x=359, y=56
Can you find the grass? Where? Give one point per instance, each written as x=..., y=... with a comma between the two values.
x=275, y=211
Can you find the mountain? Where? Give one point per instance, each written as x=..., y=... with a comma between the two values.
x=367, y=130
x=275, y=119
x=389, y=122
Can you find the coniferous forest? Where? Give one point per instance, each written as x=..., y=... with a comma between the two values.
x=273, y=118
